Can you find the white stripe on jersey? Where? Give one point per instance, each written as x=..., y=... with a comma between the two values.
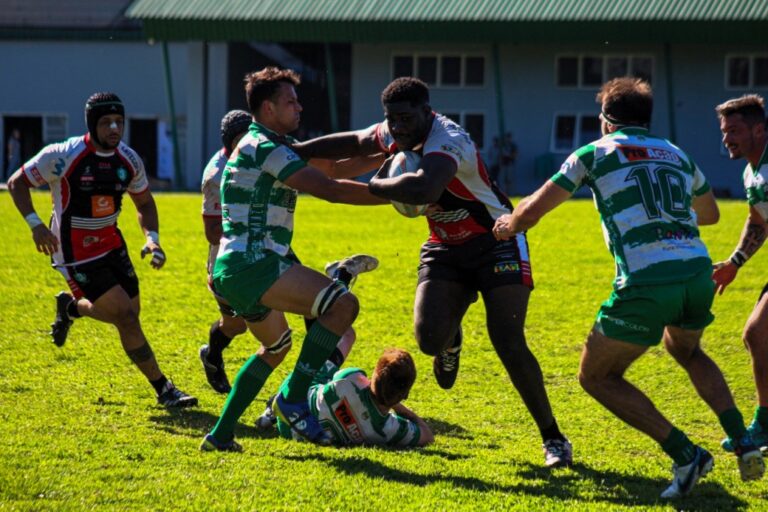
x=94, y=223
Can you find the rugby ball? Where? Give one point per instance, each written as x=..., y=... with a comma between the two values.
x=403, y=162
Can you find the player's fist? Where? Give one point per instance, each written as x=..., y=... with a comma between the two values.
x=724, y=273
x=45, y=241
x=502, y=229
x=158, y=255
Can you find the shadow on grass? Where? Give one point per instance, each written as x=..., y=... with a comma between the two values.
x=576, y=484
x=444, y=428
x=179, y=422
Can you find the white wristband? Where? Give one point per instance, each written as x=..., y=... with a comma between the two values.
x=154, y=237
x=33, y=220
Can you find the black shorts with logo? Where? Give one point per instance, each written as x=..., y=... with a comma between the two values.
x=482, y=263
x=94, y=278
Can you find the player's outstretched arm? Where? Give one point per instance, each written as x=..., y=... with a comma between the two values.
x=45, y=241
x=530, y=210
x=752, y=239
x=150, y=224
x=340, y=145
x=313, y=181
x=348, y=167
x=427, y=437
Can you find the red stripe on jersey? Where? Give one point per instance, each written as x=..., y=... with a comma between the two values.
x=457, y=188
x=70, y=169
x=90, y=243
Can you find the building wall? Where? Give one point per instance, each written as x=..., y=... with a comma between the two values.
x=56, y=77
x=531, y=99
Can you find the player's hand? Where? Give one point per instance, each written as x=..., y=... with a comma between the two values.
x=45, y=241
x=158, y=255
x=383, y=171
x=502, y=229
x=724, y=273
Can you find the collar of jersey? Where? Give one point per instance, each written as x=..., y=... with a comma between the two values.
x=763, y=160
x=631, y=130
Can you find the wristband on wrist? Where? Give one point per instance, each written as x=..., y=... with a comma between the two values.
x=738, y=258
x=153, y=236
x=33, y=220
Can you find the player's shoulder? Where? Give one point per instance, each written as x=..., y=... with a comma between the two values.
x=68, y=148
x=131, y=155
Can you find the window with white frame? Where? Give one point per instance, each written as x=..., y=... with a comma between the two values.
x=746, y=71
x=441, y=70
x=472, y=122
x=592, y=70
x=573, y=130
x=54, y=128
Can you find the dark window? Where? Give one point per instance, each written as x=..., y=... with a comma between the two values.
x=565, y=126
x=592, y=71
x=738, y=72
x=475, y=71
x=642, y=67
x=456, y=118
x=475, y=125
x=403, y=66
x=427, y=69
x=616, y=67
x=761, y=71
x=450, y=71
x=590, y=129
x=567, y=71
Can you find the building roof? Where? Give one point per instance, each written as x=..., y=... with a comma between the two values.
x=67, y=19
x=464, y=20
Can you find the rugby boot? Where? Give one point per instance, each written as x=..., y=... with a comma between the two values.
x=685, y=477
x=445, y=365
x=215, y=373
x=62, y=322
x=174, y=398
x=210, y=444
x=348, y=269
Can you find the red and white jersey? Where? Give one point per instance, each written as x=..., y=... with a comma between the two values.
x=471, y=203
x=211, y=189
x=87, y=188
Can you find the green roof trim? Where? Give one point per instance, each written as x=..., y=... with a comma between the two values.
x=455, y=20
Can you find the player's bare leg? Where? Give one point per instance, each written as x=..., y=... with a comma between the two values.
x=437, y=312
x=117, y=308
x=756, y=340
x=601, y=374
x=506, y=309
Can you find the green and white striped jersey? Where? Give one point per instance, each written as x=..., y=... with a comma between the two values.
x=643, y=187
x=256, y=205
x=346, y=410
x=756, y=184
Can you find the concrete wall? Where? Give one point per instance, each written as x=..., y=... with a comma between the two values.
x=56, y=77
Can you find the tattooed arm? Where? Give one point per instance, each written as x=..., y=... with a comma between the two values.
x=752, y=238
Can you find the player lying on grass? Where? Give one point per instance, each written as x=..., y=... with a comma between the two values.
x=354, y=410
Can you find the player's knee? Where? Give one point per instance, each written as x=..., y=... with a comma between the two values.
x=348, y=306
x=126, y=318
x=431, y=342
x=753, y=337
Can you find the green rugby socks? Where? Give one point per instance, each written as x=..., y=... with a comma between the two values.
x=318, y=345
x=733, y=423
x=249, y=381
x=679, y=447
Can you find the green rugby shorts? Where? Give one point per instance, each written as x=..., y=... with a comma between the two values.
x=639, y=314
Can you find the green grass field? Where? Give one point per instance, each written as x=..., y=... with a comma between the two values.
x=81, y=429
